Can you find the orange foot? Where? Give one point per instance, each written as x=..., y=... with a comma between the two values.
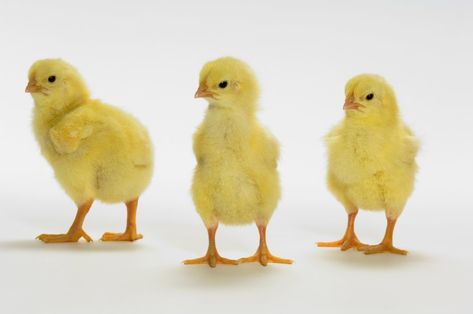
x=212, y=259
x=344, y=244
x=67, y=237
x=263, y=256
x=125, y=236
x=381, y=248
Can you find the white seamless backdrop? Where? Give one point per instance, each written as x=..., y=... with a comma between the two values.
x=145, y=56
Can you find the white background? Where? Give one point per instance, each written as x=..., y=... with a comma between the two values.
x=145, y=56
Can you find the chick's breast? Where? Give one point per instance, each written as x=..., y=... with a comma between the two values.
x=229, y=181
x=368, y=169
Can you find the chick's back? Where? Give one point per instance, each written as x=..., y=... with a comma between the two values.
x=114, y=163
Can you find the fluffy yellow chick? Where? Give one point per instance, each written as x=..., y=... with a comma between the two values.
x=97, y=151
x=371, y=159
x=236, y=179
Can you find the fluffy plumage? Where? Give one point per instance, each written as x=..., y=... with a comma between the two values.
x=97, y=151
x=371, y=153
x=236, y=179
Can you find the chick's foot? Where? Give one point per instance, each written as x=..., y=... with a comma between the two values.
x=130, y=233
x=212, y=259
x=349, y=240
x=386, y=244
x=125, y=236
x=67, y=237
x=264, y=257
x=382, y=248
x=344, y=244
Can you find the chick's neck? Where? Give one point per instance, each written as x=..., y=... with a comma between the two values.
x=243, y=106
x=372, y=121
x=228, y=111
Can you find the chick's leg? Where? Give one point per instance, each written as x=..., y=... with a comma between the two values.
x=130, y=233
x=262, y=255
x=212, y=258
x=349, y=240
x=387, y=244
x=75, y=231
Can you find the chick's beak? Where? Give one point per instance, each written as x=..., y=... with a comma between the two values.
x=32, y=87
x=351, y=104
x=202, y=92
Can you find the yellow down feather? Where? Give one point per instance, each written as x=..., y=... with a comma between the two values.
x=371, y=153
x=236, y=179
x=97, y=151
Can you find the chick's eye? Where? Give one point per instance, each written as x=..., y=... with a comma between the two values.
x=223, y=84
x=52, y=79
x=369, y=96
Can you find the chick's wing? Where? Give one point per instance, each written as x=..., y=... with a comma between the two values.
x=68, y=133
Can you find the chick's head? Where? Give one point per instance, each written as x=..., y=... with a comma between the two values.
x=370, y=97
x=55, y=82
x=228, y=82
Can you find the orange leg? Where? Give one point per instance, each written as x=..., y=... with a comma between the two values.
x=387, y=244
x=212, y=258
x=75, y=231
x=130, y=233
x=349, y=240
x=262, y=255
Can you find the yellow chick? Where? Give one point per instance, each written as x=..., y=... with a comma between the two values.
x=236, y=179
x=97, y=151
x=371, y=159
